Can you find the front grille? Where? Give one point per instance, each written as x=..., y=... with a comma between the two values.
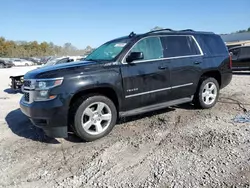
x=26, y=97
x=27, y=83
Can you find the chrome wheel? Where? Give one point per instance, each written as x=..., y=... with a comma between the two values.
x=209, y=93
x=96, y=118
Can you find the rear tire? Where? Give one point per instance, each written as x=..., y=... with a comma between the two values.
x=95, y=118
x=207, y=94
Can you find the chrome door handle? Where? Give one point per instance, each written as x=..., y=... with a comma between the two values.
x=197, y=62
x=162, y=68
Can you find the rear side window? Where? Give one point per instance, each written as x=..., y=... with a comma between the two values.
x=151, y=48
x=177, y=46
x=212, y=44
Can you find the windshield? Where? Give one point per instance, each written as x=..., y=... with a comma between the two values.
x=108, y=51
x=52, y=62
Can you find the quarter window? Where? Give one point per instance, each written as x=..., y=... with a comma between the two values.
x=150, y=47
x=177, y=46
x=212, y=44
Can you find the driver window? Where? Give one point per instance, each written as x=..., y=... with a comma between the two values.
x=150, y=47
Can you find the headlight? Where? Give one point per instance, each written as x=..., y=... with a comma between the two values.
x=43, y=87
x=48, y=84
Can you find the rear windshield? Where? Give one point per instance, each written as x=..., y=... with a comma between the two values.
x=212, y=45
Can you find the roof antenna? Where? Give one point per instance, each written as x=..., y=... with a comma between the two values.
x=132, y=34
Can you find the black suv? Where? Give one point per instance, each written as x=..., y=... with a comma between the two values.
x=240, y=57
x=127, y=76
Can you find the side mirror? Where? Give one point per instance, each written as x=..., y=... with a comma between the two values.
x=135, y=56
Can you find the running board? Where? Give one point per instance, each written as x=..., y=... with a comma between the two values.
x=155, y=107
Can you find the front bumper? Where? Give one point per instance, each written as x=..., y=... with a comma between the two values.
x=51, y=116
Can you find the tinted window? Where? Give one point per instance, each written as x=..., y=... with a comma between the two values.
x=245, y=52
x=212, y=44
x=175, y=46
x=234, y=53
x=151, y=48
x=62, y=61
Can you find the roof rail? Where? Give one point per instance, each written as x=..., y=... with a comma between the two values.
x=170, y=30
x=132, y=34
x=191, y=30
x=159, y=30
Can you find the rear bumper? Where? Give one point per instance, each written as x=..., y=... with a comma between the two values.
x=226, y=78
x=51, y=116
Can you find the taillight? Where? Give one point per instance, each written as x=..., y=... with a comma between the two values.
x=230, y=61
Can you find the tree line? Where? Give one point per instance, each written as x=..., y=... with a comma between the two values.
x=9, y=48
x=243, y=31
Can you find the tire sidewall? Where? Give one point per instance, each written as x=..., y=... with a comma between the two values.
x=204, y=82
x=77, y=120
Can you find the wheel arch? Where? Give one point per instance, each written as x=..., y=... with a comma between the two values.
x=212, y=73
x=104, y=90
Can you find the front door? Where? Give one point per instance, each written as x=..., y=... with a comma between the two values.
x=146, y=81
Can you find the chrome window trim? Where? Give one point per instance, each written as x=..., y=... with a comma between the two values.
x=168, y=58
x=158, y=90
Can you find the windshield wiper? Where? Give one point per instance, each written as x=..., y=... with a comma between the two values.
x=91, y=59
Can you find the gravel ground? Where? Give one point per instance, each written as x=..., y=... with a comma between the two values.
x=176, y=147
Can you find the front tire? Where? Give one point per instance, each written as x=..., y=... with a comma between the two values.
x=207, y=93
x=95, y=118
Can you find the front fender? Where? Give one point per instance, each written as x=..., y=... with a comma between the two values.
x=98, y=80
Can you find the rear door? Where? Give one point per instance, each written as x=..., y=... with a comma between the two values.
x=146, y=81
x=184, y=58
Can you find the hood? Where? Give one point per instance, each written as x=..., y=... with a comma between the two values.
x=60, y=69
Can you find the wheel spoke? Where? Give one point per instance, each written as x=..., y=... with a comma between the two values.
x=206, y=99
x=87, y=125
x=204, y=94
x=98, y=127
x=213, y=96
x=206, y=87
x=100, y=107
x=89, y=112
x=106, y=117
x=212, y=87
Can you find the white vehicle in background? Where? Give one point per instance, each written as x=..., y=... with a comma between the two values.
x=22, y=62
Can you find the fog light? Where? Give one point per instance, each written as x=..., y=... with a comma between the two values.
x=43, y=93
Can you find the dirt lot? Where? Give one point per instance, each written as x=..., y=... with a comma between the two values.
x=176, y=147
